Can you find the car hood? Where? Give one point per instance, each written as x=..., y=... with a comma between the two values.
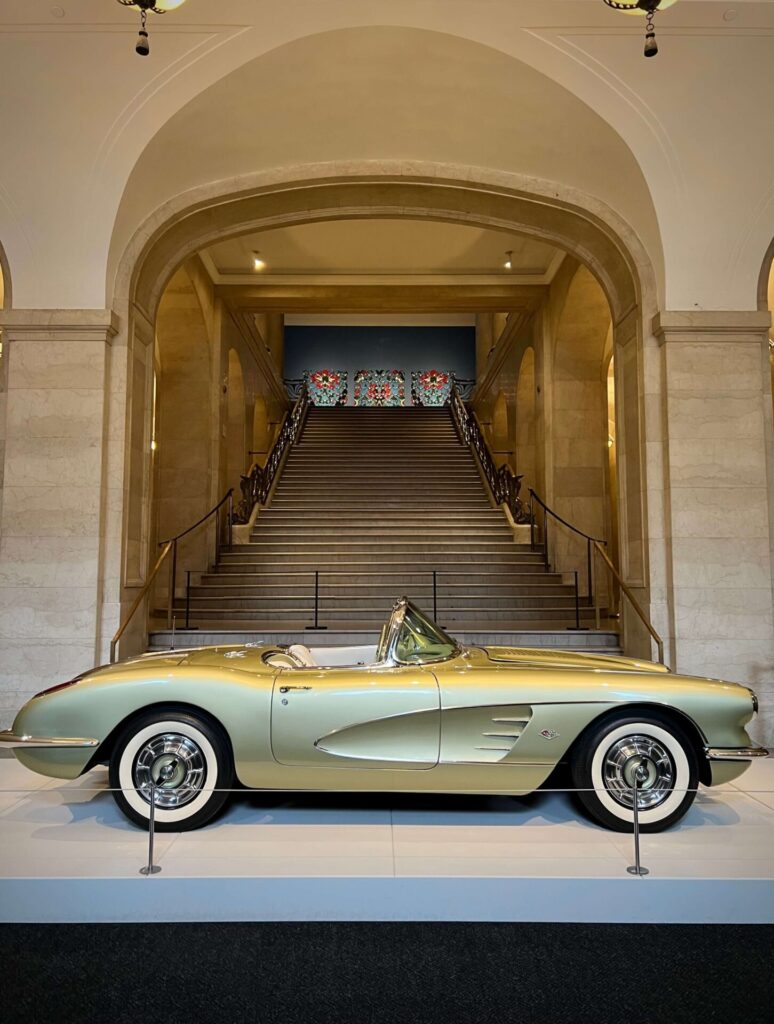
x=553, y=658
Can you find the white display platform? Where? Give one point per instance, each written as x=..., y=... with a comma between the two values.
x=67, y=855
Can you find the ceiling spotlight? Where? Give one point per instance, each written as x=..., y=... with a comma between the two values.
x=258, y=262
x=648, y=8
x=158, y=7
x=508, y=265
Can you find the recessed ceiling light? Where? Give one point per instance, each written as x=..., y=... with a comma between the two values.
x=259, y=263
x=508, y=260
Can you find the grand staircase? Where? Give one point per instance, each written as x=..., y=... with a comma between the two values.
x=373, y=504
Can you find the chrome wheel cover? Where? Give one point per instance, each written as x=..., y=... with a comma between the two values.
x=175, y=765
x=645, y=759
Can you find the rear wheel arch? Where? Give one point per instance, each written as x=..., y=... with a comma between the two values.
x=104, y=752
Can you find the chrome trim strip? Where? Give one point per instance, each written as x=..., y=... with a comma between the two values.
x=9, y=739
x=735, y=753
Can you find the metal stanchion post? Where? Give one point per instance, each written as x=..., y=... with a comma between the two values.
x=151, y=868
x=316, y=625
x=640, y=774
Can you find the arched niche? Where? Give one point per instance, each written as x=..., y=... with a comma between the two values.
x=579, y=224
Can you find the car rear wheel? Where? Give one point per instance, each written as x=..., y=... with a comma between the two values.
x=183, y=758
x=650, y=748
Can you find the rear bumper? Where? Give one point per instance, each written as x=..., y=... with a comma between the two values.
x=735, y=753
x=9, y=739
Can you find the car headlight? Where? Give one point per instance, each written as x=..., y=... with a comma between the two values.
x=754, y=697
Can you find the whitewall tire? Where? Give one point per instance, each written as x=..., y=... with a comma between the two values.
x=184, y=758
x=651, y=746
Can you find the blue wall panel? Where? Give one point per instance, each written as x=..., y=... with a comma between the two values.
x=380, y=348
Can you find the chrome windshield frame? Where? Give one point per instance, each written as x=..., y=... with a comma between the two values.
x=397, y=619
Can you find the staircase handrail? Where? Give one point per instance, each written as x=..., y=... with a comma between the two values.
x=534, y=495
x=594, y=545
x=257, y=485
x=138, y=601
x=504, y=484
x=632, y=600
x=170, y=545
x=227, y=497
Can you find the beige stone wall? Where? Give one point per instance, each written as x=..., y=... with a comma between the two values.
x=184, y=417
x=580, y=417
x=718, y=414
x=525, y=436
x=55, y=486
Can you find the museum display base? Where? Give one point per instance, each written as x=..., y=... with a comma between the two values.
x=67, y=855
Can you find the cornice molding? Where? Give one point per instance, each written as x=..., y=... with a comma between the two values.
x=46, y=324
x=711, y=325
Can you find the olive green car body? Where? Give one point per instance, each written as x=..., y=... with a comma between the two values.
x=485, y=720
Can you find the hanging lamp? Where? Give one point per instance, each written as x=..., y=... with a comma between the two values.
x=158, y=7
x=648, y=8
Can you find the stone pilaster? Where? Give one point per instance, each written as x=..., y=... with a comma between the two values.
x=718, y=467
x=54, y=496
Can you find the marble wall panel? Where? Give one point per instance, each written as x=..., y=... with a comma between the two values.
x=53, y=507
x=719, y=501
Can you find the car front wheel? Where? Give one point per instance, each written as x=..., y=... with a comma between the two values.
x=650, y=748
x=182, y=758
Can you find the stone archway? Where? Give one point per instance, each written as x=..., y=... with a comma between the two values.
x=578, y=224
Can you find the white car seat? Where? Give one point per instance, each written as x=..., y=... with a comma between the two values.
x=302, y=654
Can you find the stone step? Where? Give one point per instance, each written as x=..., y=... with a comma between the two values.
x=376, y=517
x=284, y=576
x=467, y=606
x=336, y=589
x=426, y=531
x=503, y=617
x=591, y=641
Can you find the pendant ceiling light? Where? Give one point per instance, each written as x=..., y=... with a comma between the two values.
x=648, y=8
x=158, y=7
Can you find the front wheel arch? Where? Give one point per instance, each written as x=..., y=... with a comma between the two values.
x=685, y=722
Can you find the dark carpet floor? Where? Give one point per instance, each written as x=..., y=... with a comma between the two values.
x=385, y=974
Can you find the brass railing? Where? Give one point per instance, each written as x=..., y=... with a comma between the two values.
x=593, y=545
x=632, y=600
x=170, y=546
x=505, y=487
x=503, y=483
x=257, y=485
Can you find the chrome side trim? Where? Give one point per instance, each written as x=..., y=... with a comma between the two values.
x=9, y=739
x=735, y=753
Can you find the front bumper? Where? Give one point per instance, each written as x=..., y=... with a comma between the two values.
x=735, y=753
x=9, y=739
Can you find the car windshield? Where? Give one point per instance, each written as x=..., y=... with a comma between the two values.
x=420, y=640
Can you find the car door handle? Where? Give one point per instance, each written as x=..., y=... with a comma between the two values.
x=285, y=689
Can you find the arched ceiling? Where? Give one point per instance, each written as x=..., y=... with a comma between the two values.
x=375, y=93
x=79, y=109
x=394, y=248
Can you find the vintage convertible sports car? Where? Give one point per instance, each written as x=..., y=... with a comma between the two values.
x=417, y=713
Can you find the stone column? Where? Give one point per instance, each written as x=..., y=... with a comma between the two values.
x=718, y=469
x=54, y=499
